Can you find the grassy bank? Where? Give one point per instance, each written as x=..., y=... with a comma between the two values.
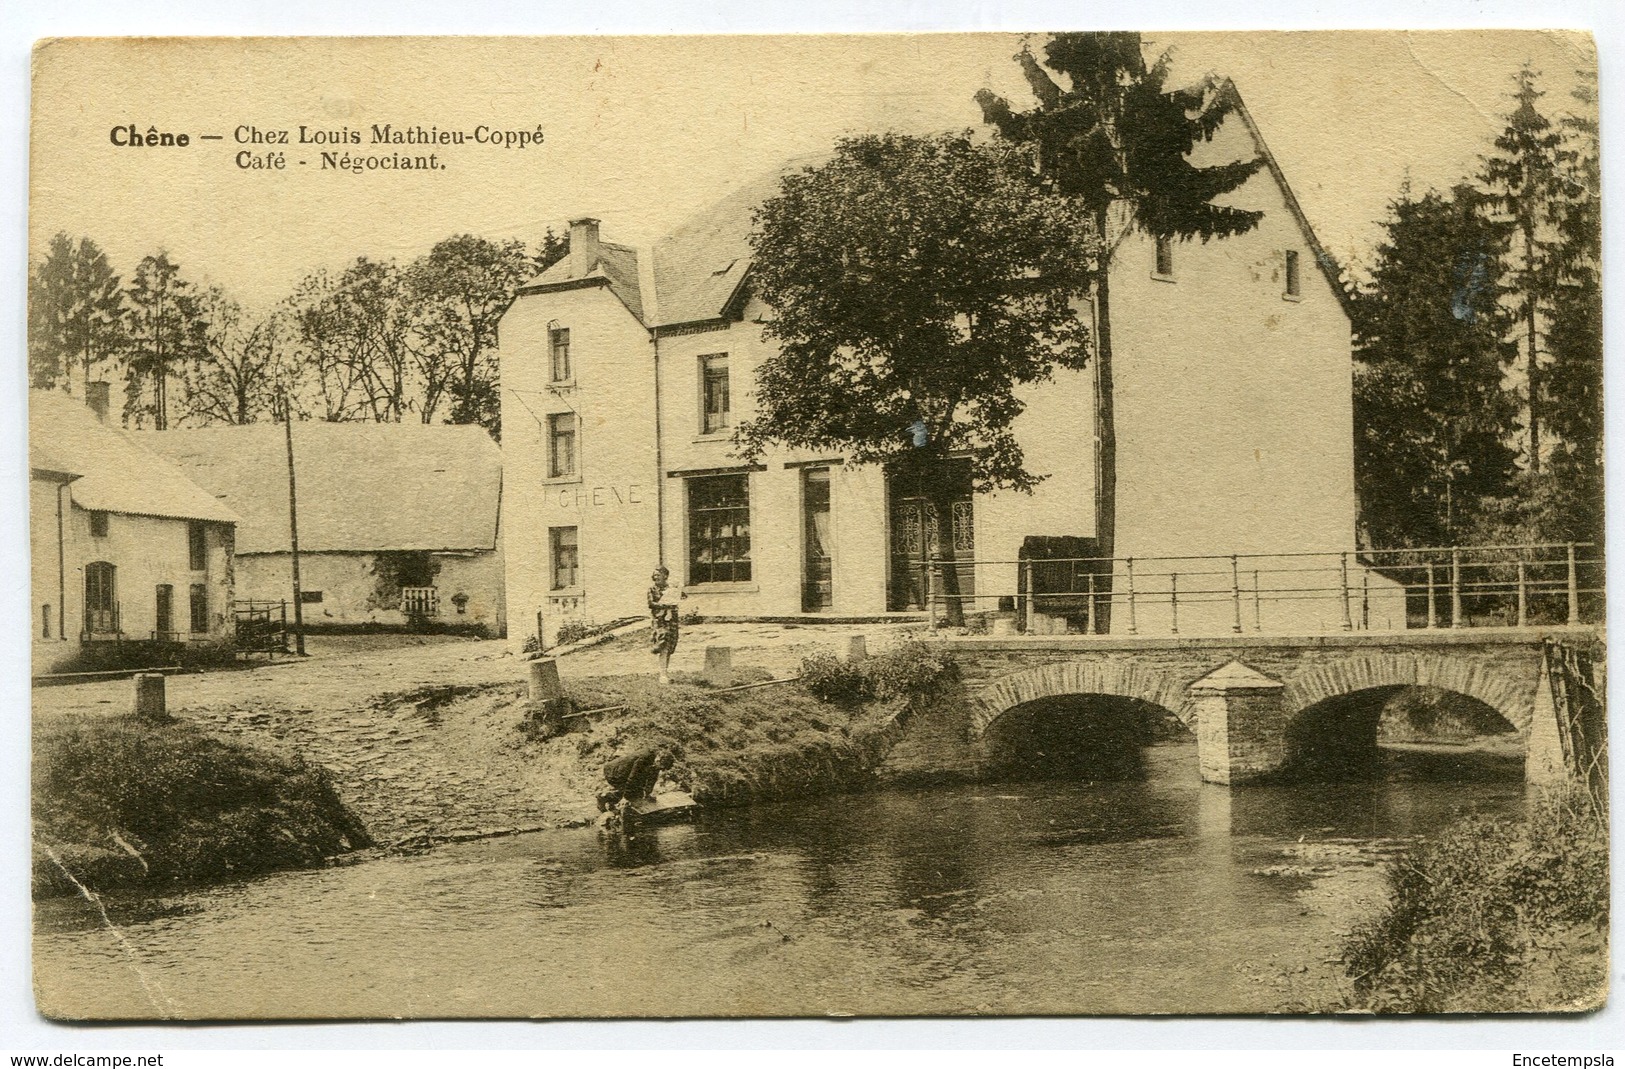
x=1493, y=916
x=120, y=802
x=821, y=734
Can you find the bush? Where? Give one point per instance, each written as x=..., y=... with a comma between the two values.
x=913, y=670
x=573, y=631
x=830, y=679
x=1493, y=916
x=192, y=805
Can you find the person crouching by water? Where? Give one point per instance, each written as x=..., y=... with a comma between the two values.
x=663, y=608
x=632, y=777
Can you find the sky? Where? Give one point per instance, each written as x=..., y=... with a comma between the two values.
x=644, y=131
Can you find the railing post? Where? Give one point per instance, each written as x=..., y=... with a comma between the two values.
x=1089, y=608
x=1343, y=570
x=1365, y=599
x=929, y=594
x=1433, y=610
x=1455, y=588
x=1574, y=589
x=1173, y=599
x=1258, y=604
x=1523, y=594
x=1027, y=616
x=1133, y=618
x=1235, y=593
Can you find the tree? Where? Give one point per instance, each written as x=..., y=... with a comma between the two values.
x=459, y=291
x=1523, y=180
x=1117, y=140
x=916, y=283
x=356, y=332
x=550, y=250
x=1430, y=410
x=165, y=328
x=239, y=371
x=75, y=311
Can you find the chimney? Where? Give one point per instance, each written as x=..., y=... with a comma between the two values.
x=97, y=397
x=583, y=246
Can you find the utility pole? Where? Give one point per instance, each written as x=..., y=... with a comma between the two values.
x=293, y=531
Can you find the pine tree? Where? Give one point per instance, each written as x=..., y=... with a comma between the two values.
x=74, y=313
x=1432, y=347
x=166, y=330
x=1118, y=141
x=1524, y=183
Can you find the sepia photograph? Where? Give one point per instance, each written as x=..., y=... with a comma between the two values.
x=1064, y=523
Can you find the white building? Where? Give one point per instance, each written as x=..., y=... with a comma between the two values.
x=623, y=374
x=399, y=523
x=130, y=561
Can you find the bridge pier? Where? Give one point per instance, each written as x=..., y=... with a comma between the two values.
x=1241, y=724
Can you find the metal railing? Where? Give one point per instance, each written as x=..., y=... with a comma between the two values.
x=420, y=600
x=1370, y=589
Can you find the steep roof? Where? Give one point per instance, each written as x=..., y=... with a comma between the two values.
x=362, y=486
x=616, y=267
x=699, y=267
x=117, y=473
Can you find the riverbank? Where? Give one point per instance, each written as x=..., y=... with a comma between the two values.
x=1493, y=916
x=121, y=802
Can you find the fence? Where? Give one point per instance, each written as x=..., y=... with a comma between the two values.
x=1388, y=589
x=261, y=626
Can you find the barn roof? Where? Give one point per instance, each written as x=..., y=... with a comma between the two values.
x=117, y=473
x=362, y=487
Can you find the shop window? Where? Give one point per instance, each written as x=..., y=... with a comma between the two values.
x=200, y=609
x=197, y=546
x=558, y=344
x=98, y=525
x=714, y=408
x=1294, y=283
x=561, y=445
x=1165, y=257
x=719, y=529
x=566, y=555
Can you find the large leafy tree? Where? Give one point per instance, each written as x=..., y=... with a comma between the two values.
x=239, y=371
x=75, y=311
x=459, y=291
x=356, y=333
x=165, y=326
x=1430, y=411
x=1523, y=177
x=1114, y=137
x=916, y=283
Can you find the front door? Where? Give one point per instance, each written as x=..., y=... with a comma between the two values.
x=916, y=539
x=165, y=614
x=818, y=552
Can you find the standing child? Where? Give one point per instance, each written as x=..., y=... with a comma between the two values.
x=663, y=607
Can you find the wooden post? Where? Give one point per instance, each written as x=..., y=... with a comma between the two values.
x=1235, y=593
x=1133, y=618
x=1433, y=609
x=1343, y=572
x=1455, y=588
x=1574, y=589
x=293, y=531
x=1523, y=594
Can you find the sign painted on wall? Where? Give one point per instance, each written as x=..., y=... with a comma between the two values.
x=581, y=497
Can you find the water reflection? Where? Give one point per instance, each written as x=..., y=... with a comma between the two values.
x=1162, y=894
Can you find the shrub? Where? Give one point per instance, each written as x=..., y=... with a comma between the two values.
x=1492, y=915
x=912, y=669
x=573, y=631
x=830, y=679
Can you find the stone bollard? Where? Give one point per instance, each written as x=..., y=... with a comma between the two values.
x=544, y=680
x=719, y=666
x=149, y=697
x=856, y=649
x=1241, y=724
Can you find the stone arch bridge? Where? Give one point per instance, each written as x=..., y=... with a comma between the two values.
x=1242, y=694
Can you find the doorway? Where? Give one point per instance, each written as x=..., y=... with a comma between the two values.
x=915, y=534
x=818, y=551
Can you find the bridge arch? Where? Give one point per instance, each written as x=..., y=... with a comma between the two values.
x=1121, y=679
x=1508, y=689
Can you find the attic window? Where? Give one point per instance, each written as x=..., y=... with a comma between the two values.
x=1294, y=280
x=98, y=525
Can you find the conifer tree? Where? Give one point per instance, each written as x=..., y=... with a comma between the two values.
x=74, y=313
x=165, y=325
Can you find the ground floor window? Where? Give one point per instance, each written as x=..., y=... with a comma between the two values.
x=200, y=609
x=566, y=555
x=719, y=529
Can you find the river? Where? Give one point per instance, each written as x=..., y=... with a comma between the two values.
x=1161, y=894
